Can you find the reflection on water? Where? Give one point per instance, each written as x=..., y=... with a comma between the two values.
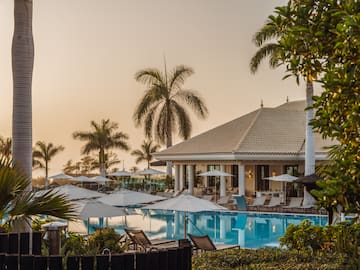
x=250, y=230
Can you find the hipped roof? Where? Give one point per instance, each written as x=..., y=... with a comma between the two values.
x=279, y=130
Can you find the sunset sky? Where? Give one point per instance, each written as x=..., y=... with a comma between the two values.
x=87, y=52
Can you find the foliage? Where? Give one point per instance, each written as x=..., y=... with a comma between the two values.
x=5, y=147
x=103, y=137
x=19, y=204
x=266, y=259
x=161, y=109
x=145, y=153
x=106, y=238
x=74, y=244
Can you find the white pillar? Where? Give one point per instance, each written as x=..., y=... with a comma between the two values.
x=241, y=178
x=191, y=179
x=182, y=177
x=177, y=180
x=222, y=182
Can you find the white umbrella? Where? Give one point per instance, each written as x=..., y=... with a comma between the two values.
x=215, y=173
x=148, y=172
x=83, y=179
x=120, y=173
x=91, y=208
x=74, y=193
x=100, y=179
x=186, y=203
x=94, y=208
x=127, y=197
x=61, y=176
x=283, y=178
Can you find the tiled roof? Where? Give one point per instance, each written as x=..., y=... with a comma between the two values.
x=279, y=130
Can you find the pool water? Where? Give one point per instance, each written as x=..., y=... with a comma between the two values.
x=249, y=230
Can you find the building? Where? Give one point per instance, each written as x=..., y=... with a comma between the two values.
x=265, y=142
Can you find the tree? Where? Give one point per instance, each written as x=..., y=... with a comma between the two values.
x=22, y=66
x=145, y=153
x=42, y=155
x=20, y=205
x=111, y=159
x=295, y=43
x=103, y=137
x=338, y=107
x=161, y=110
x=5, y=147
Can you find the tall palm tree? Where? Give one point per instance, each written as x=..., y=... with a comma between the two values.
x=103, y=137
x=280, y=40
x=22, y=67
x=161, y=110
x=5, y=147
x=145, y=153
x=42, y=155
x=111, y=159
x=20, y=205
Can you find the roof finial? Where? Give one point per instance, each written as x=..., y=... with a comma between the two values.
x=262, y=104
x=287, y=99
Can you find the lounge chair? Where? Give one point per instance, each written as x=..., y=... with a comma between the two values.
x=259, y=201
x=295, y=202
x=204, y=243
x=140, y=241
x=274, y=202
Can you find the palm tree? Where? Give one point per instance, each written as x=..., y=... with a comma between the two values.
x=20, y=205
x=5, y=147
x=161, y=110
x=42, y=155
x=145, y=153
x=134, y=169
x=288, y=46
x=110, y=159
x=22, y=66
x=103, y=137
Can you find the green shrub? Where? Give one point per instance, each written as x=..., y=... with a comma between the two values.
x=74, y=244
x=106, y=238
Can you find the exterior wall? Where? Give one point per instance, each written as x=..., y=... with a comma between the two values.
x=275, y=168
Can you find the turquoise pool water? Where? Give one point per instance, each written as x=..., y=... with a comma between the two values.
x=249, y=230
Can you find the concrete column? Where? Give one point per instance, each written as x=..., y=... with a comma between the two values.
x=177, y=178
x=222, y=182
x=241, y=179
x=182, y=177
x=191, y=179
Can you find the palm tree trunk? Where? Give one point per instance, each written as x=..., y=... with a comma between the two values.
x=309, y=139
x=22, y=66
x=46, y=174
x=102, y=162
x=168, y=144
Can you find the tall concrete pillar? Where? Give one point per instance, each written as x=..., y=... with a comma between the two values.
x=191, y=179
x=177, y=178
x=182, y=177
x=241, y=179
x=222, y=182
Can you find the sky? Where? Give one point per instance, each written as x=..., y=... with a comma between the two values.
x=87, y=52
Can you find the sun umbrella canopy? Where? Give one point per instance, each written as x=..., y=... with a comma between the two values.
x=83, y=179
x=61, y=176
x=215, y=173
x=74, y=193
x=148, y=172
x=282, y=178
x=92, y=208
x=308, y=179
x=127, y=197
x=120, y=173
x=101, y=179
x=186, y=203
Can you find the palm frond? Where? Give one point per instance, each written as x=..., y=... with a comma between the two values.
x=194, y=101
x=150, y=76
x=183, y=120
x=265, y=51
x=178, y=76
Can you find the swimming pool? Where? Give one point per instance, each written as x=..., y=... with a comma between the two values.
x=249, y=230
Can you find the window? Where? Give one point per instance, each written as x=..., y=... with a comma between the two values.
x=261, y=171
x=291, y=169
x=212, y=179
x=235, y=173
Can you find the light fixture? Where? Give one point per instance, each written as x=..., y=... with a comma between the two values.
x=273, y=173
x=250, y=173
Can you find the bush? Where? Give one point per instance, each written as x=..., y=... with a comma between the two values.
x=106, y=238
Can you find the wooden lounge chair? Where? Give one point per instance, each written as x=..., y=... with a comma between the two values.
x=204, y=243
x=274, y=201
x=295, y=202
x=140, y=241
x=259, y=201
